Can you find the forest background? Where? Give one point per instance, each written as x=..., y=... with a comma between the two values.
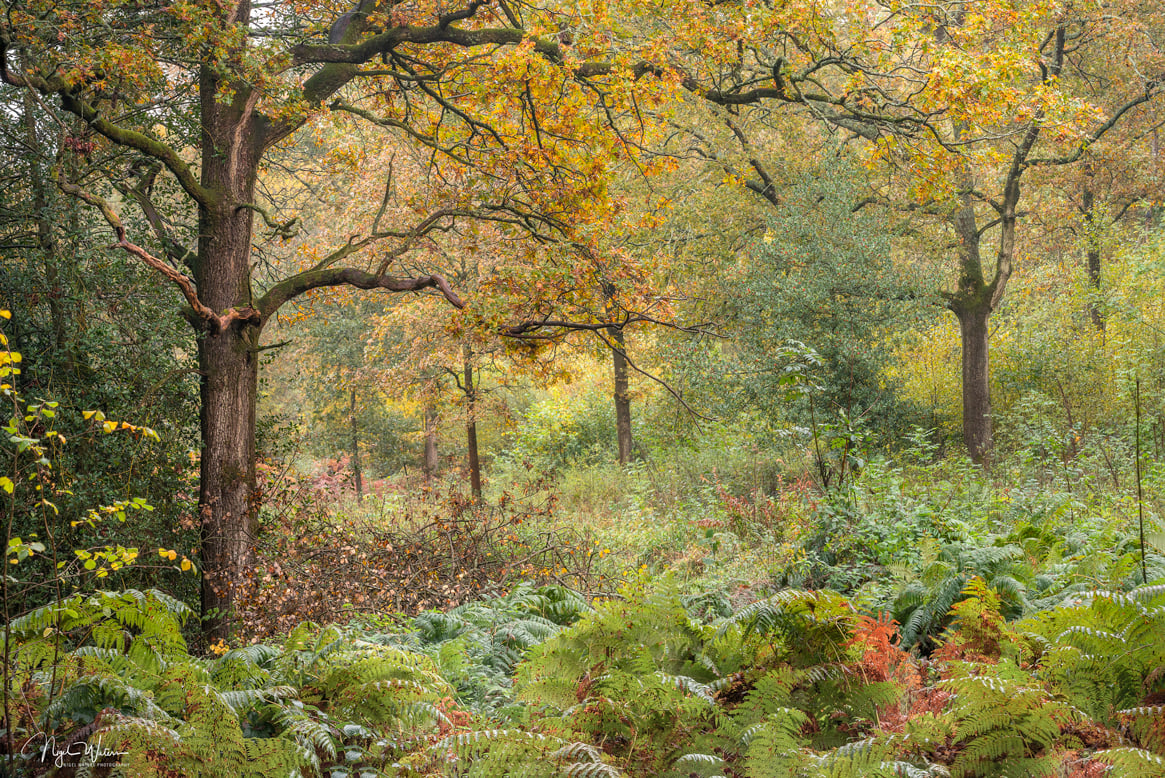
x=610, y=385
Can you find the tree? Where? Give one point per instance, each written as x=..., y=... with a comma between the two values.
x=999, y=71
x=824, y=275
x=957, y=105
x=207, y=94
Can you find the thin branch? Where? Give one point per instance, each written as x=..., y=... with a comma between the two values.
x=286, y=230
x=671, y=390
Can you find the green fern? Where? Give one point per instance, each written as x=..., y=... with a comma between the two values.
x=1105, y=653
x=326, y=697
x=923, y=607
x=1133, y=762
x=512, y=752
x=774, y=746
x=1005, y=725
x=478, y=645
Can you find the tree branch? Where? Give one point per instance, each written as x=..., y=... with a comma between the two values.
x=300, y=283
x=74, y=104
x=141, y=142
x=1151, y=91
x=286, y=230
x=177, y=253
x=212, y=321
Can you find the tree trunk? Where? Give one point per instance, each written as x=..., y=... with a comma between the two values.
x=977, y=429
x=1093, y=243
x=356, y=474
x=471, y=425
x=228, y=359
x=622, y=395
x=430, y=462
x=44, y=228
x=227, y=497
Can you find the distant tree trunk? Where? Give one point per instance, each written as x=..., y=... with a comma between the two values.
x=1092, y=241
x=430, y=462
x=622, y=395
x=44, y=228
x=973, y=304
x=977, y=427
x=471, y=424
x=356, y=472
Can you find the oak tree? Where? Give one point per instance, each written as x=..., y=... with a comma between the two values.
x=207, y=94
x=958, y=105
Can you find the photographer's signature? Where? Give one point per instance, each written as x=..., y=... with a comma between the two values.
x=94, y=753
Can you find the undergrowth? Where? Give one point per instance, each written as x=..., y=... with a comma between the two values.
x=539, y=682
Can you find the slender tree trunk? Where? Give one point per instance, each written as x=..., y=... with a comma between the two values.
x=471, y=424
x=430, y=462
x=357, y=475
x=977, y=427
x=228, y=360
x=622, y=395
x=972, y=305
x=44, y=228
x=1092, y=241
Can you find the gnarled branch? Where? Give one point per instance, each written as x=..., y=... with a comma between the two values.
x=296, y=285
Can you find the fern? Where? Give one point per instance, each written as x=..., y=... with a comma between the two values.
x=1105, y=654
x=1005, y=724
x=773, y=746
x=858, y=759
x=1133, y=762
x=325, y=696
x=923, y=607
x=512, y=752
x=478, y=645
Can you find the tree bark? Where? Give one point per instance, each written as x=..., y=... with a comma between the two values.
x=357, y=475
x=1092, y=241
x=429, y=465
x=622, y=395
x=471, y=424
x=227, y=498
x=977, y=427
x=228, y=360
x=44, y=229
